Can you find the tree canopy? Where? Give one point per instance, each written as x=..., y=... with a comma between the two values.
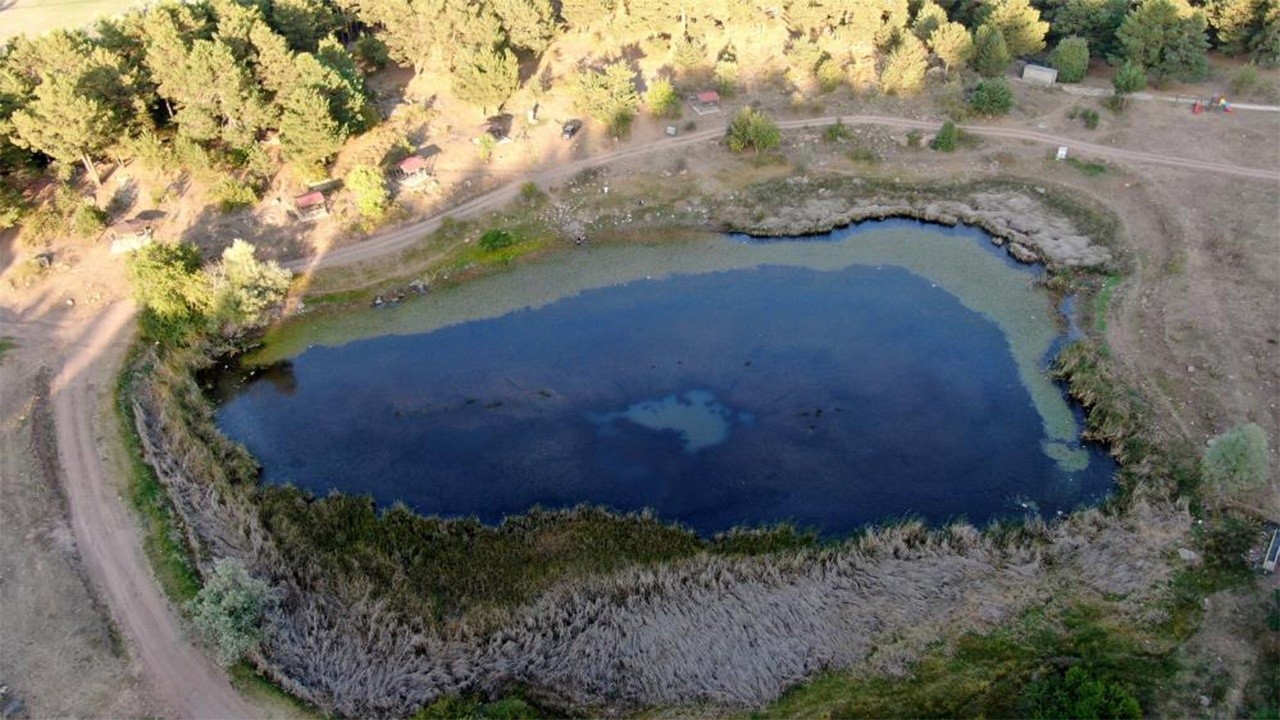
x=1167, y=37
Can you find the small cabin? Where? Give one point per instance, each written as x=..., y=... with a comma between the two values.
x=414, y=171
x=1039, y=74
x=311, y=206
x=129, y=235
x=705, y=102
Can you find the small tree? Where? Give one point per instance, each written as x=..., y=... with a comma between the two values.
x=1071, y=58
x=370, y=190
x=990, y=54
x=1236, y=460
x=1129, y=78
x=904, y=69
x=753, y=129
x=171, y=290
x=485, y=77
x=1019, y=24
x=608, y=95
x=245, y=288
x=947, y=138
x=992, y=97
x=953, y=44
x=662, y=99
x=228, y=610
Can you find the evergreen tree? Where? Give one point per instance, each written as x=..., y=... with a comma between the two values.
x=370, y=189
x=1020, y=24
x=1130, y=78
x=273, y=65
x=990, y=54
x=1265, y=46
x=905, y=67
x=485, y=77
x=529, y=24
x=303, y=23
x=309, y=135
x=580, y=14
x=929, y=17
x=1094, y=20
x=1235, y=22
x=66, y=124
x=608, y=95
x=953, y=44
x=1071, y=58
x=217, y=98
x=1166, y=38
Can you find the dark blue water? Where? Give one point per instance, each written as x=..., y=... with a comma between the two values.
x=827, y=399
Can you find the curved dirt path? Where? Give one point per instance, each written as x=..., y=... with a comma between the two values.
x=401, y=237
x=178, y=671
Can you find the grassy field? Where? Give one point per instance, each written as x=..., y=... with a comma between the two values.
x=36, y=17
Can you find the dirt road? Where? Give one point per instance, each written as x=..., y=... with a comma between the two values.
x=401, y=237
x=191, y=685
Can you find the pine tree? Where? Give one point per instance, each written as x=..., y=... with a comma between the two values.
x=1071, y=58
x=529, y=24
x=929, y=17
x=1130, y=78
x=1235, y=22
x=1094, y=20
x=370, y=189
x=905, y=67
x=608, y=95
x=581, y=14
x=303, y=23
x=66, y=124
x=309, y=135
x=1265, y=46
x=1167, y=39
x=990, y=54
x=1020, y=24
x=953, y=44
x=485, y=77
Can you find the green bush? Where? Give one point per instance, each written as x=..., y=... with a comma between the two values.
x=370, y=189
x=1078, y=695
x=914, y=137
x=662, y=99
x=947, y=138
x=1226, y=540
x=171, y=290
x=494, y=240
x=1071, y=58
x=992, y=97
x=88, y=219
x=1244, y=80
x=231, y=194
x=1090, y=118
x=839, y=132
x=752, y=129
x=228, y=610
x=1236, y=460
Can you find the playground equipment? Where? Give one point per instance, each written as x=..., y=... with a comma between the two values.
x=1218, y=103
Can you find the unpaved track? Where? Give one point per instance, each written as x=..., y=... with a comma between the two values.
x=177, y=670
x=181, y=675
x=401, y=237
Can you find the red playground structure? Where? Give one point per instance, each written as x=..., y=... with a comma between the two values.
x=1216, y=104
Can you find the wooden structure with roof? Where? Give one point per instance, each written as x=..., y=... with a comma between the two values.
x=129, y=235
x=415, y=171
x=311, y=206
x=705, y=102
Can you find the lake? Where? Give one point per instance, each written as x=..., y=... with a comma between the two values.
x=887, y=370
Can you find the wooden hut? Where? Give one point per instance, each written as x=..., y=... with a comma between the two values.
x=414, y=171
x=311, y=206
x=129, y=235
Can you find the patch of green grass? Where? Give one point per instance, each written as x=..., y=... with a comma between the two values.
x=162, y=539
x=267, y=695
x=1092, y=169
x=986, y=675
x=863, y=154
x=6, y=344
x=1102, y=302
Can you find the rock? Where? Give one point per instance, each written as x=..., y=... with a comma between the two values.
x=1205, y=701
x=1189, y=556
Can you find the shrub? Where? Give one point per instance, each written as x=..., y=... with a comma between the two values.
x=830, y=75
x=947, y=138
x=1076, y=694
x=1071, y=58
x=914, y=137
x=244, y=288
x=1226, y=540
x=1244, y=80
x=993, y=97
x=1236, y=460
x=171, y=291
x=370, y=189
x=608, y=95
x=88, y=219
x=494, y=240
x=662, y=99
x=531, y=194
x=1090, y=117
x=753, y=129
x=231, y=194
x=372, y=51
x=228, y=610
x=839, y=132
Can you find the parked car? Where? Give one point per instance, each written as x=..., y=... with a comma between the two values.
x=570, y=129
